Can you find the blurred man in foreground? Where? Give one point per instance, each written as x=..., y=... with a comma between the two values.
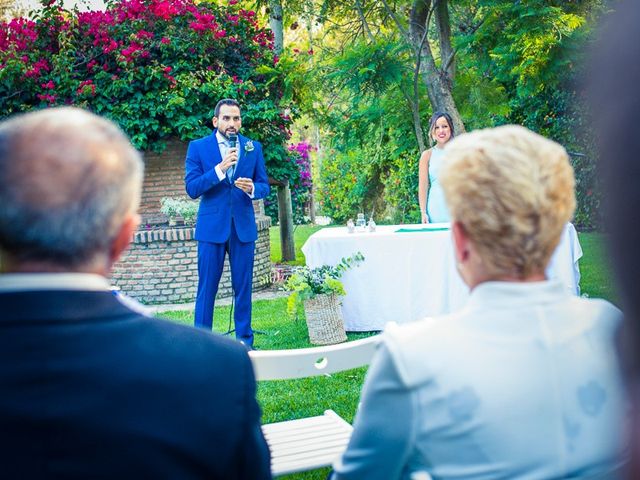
x=91, y=389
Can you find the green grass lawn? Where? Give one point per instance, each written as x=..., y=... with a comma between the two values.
x=596, y=278
x=286, y=400
x=300, y=235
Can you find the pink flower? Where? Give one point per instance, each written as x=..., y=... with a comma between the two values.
x=167, y=69
x=110, y=47
x=47, y=98
x=37, y=67
x=143, y=34
x=197, y=27
x=165, y=41
x=49, y=85
x=220, y=33
x=86, y=88
x=164, y=10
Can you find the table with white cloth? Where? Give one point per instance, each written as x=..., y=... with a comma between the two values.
x=409, y=271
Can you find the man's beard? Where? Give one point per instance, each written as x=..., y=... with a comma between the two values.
x=226, y=133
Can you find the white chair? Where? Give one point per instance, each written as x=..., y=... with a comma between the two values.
x=313, y=442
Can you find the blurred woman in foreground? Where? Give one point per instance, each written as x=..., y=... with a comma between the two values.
x=521, y=383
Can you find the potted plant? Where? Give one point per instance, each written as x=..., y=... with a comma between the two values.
x=317, y=291
x=169, y=206
x=179, y=207
x=188, y=211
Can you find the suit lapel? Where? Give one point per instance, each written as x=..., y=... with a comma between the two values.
x=212, y=152
x=243, y=158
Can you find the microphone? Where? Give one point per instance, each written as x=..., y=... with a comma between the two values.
x=233, y=140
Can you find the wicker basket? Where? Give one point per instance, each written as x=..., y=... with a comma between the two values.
x=324, y=320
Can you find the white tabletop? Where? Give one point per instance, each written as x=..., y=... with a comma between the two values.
x=407, y=276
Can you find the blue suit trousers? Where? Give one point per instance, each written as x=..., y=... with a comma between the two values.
x=210, y=265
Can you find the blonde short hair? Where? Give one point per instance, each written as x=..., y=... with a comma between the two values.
x=513, y=191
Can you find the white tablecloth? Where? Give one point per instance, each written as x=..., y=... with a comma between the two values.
x=407, y=276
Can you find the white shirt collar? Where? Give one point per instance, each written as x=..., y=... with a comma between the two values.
x=16, y=282
x=516, y=294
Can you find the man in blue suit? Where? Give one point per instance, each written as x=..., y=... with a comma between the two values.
x=227, y=171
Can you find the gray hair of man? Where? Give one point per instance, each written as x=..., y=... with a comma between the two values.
x=69, y=181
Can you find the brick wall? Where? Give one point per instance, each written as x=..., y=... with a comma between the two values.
x=161, y=266
x=163, y=177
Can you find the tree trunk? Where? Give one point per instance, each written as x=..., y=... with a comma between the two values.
x=275, y=23
x=439, y=86
x=285, y=218
x=285, y=209
x=417, y=122
x=447, y=53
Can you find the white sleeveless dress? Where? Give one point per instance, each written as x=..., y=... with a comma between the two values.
x=436, y=205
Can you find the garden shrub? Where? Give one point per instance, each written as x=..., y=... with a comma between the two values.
x=299, y=184
x=155, y=67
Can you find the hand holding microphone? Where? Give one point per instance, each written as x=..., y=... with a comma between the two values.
x=231, y=158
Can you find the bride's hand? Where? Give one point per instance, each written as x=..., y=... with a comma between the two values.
x=425, y=218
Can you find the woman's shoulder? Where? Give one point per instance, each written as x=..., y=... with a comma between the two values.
x=596, y=313
x=410, y=345
x=426, y=155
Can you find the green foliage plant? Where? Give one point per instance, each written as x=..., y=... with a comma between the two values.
x=370, y=160
x=155, y=67
x=169, y=206
x=521, y=62
x=188, y=211
x=306, y=283
x=515, y=62
x=183, y=207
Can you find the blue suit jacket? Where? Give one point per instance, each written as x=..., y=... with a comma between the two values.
x=221, y=201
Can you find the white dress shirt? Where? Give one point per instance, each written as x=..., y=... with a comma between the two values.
x=29, y=282
x=223, y=145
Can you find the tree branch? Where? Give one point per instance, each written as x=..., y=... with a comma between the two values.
x=403, y=31
x=365, y=25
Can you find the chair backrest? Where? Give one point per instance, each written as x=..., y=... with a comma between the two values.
x=310, y=362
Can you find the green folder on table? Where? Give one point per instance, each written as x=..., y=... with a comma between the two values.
x=422, y=229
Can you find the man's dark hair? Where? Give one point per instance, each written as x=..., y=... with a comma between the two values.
x=225, y=101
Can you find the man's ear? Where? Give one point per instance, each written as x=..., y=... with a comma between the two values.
x=123, y=238
x=214, y=122
x=460, y=242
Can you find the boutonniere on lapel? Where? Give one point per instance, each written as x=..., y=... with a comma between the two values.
x=248, y=147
